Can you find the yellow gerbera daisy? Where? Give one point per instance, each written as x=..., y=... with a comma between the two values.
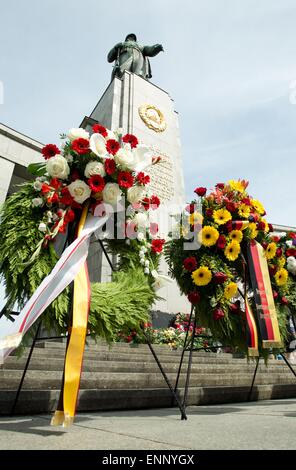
x=237, y=185
x=282, y=261
x=281, y=277
x=221, y=216
x=232, y=250
x=201, y=276
x=258, y=206
x=195, y=218
x=230, y=290
x=270, y=250
x=244, y=211
x=253, y=230
x=209, y=235
x=236, y=235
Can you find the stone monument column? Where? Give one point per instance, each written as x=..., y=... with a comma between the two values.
x=141, y=108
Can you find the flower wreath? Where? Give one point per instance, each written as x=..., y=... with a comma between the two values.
x=212, y=274
x=102, y=168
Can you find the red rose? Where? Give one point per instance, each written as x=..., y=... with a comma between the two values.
x=66, y=198
x=230, y=206
x=155, y=202
x=130, y=139
x=246, y=201
x=276, y=239
x=218, y=314
x=264, y=245
x=235, y=307
x=110, y=166
x=190, y=264
x=98, y=129
x=157, y=245
x=80, y=146
x=291, y=235
x=193, y=297
x=228, y=226
x=272, y=270
x=153, y=228
x=142, y=178
x=129, y=338
x=190, y=208
x=125, y=179
x=96, y=183
x=209, y=212
x=279, y=252
x=220, y=186
x=220, y=278
x=50, y=150
x=200, y=191
x=221, y=242
x=284, y=301
x=75, y=175
x=261, y=226
x=291, y=252
x=270, y=227
x=112, y=146
x=275, y=294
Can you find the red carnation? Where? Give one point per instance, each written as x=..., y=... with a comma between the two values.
x=130, y=139
x=276, y=239
x=98, y=129
x=190, y=208
x=209, y=212
x=112, y=146
x=284, y=301
x=55, y=183
x=220, y=186
x=53, y=198
x=80, y=146
x=291, y=235
x=96, y=183
x=66, y=198
x=261, y=226
x=246, y=201
x=279, y=252
x=146, y=203
x=291, y=252
x=230, y=206
x=190, y=264
x=193, y=297
x=110, y=166
x=142, y=178
x=220, y=278
x=157, y=245
x=125, y=179
x=228, y=226
x=45, y=188
x=155, y=202
x=218, y=314
x=70, y=216
x=50, y=150
x=200, y=191
x=221, y=242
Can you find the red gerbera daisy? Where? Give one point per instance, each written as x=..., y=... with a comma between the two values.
x=112, y=146
x=50, y=150
x=96, y=183
x=130, y=139
x=142, y=178
x=98, y=129
x=80, y=146
x=110, y=166
x=125, y=179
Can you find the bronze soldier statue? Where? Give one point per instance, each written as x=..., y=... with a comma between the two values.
x=130, y=56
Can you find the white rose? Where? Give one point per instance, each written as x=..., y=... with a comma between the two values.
x=141, y=220
x=94, y=168
x=78, y=133
x=57, y=167
x=42, y=227
x=111, y=193
x=135, y=194
x=37, y=201
x=124, y=157
x=291, y=264
x=97, y=144
x=79, y=190
x=37, y=185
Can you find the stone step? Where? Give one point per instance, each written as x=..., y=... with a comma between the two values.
x=44, y=401
x=9, y=379
x=37, y=363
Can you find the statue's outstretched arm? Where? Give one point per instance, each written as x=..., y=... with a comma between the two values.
x=152, y=51
x=113, y=53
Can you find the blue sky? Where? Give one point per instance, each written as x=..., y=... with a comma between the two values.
x=228, y=65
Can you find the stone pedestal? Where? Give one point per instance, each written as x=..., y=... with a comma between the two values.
x=139, y=107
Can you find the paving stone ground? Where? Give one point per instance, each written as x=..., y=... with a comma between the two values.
x=269, y=424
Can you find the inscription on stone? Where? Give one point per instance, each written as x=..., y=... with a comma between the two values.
x=162, y=178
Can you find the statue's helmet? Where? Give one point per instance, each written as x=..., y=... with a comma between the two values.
x=131, y=36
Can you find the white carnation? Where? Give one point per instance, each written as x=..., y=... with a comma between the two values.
x=111, y=193
x=79, y=190
x=57, y=167
x=135, y=194
x=94, y=168
x=37, y=202
x=78, y=133
x=42, y=227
